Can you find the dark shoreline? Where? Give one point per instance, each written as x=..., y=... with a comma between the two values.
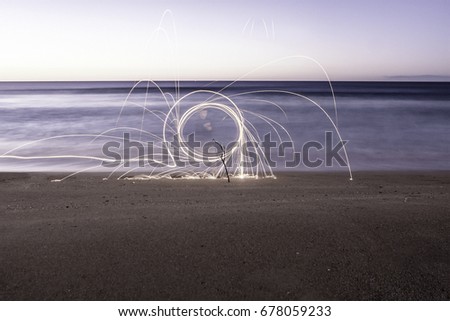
x=303, y=236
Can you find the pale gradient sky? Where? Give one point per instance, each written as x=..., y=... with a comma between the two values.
x=115, y=40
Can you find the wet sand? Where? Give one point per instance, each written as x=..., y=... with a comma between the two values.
x=303, y=236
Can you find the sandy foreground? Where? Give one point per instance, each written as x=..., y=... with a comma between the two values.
x=303, y=236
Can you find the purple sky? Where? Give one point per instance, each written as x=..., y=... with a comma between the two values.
x=120, y=40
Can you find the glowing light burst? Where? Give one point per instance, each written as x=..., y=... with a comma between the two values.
x=172, y=114
x=174, y=121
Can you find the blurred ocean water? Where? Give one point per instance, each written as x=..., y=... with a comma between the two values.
x=388, y=125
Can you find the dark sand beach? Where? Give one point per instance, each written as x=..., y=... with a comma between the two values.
x=303, y=236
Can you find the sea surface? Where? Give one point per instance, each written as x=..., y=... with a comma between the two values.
x=386, y=125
